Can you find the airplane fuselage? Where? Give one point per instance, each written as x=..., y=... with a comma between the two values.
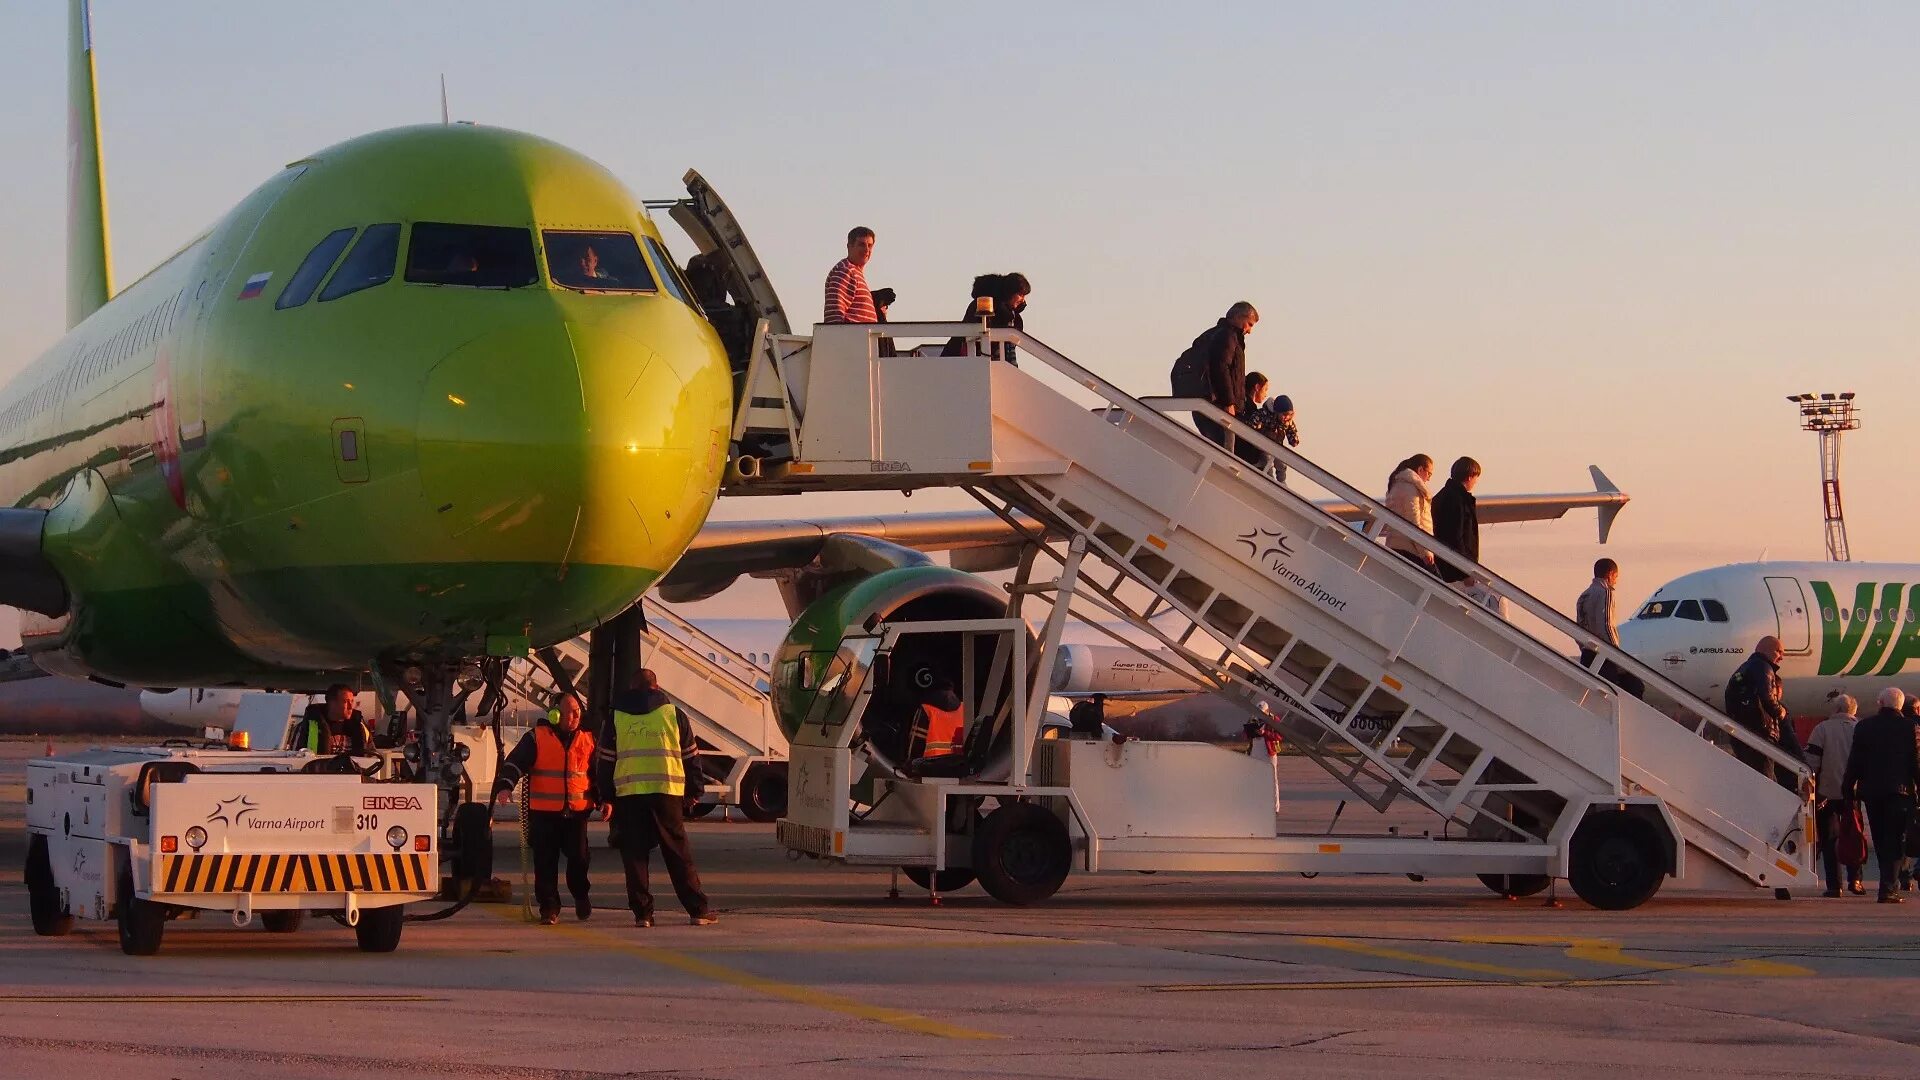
x=388, y=408
x=1852, y=628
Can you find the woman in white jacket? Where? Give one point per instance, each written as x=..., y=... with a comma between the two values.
x=1407, y=496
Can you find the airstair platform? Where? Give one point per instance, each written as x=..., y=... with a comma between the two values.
x=1398, y=684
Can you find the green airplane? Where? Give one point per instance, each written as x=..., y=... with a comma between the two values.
x=434, y=394
x=429, y=394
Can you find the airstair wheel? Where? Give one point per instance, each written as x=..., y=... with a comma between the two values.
x=1021, y=853
x=1616, y=861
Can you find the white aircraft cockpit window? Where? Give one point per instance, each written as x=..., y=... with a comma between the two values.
x=1689, y=609
x=1716, y=611
x=370, y=262
x=1656, y=609
x=476, y=256
x=596, y=262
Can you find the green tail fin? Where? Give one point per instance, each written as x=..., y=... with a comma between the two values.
x=89, y=259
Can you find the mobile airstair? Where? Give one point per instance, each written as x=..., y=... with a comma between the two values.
x=723, y=694
x=1399, y=685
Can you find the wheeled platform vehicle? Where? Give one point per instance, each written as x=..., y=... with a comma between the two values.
x=145, y=836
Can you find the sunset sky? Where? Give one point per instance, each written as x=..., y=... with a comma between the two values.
x=1543, y=235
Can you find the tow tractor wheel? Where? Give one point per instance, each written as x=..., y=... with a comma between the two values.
x=702, y=809
x=1021, y=853
x=379, y=928
x=948, y=880
x=282, y=922
x=50, y=918
x=142, y=922
x=1616, y=861
x=763, y=792
x=472, y=844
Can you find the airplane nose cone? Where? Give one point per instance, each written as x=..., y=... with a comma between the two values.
x=580, y=452
x=499, y=444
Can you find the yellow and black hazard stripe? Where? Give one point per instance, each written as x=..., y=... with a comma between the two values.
x=232, y=873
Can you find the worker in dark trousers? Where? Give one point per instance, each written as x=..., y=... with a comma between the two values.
x=655, y=777
x=1883, y=772
x=557, y=759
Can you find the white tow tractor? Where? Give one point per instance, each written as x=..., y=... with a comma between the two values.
x=151, y=834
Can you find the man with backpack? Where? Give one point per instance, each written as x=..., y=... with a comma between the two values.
x=1214, y=367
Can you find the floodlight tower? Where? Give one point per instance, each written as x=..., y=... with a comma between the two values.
x=1831, y=415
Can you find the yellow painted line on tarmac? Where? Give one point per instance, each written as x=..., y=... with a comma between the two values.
x=1393, y=984
x=893, y=946
x=1365, y=948
x=804, y=995
x=215, y=999
x=1609, y=951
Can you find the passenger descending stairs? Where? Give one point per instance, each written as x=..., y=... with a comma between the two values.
x=1356, y=649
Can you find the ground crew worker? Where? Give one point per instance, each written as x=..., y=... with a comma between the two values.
x=337, y=728
x=1754, y=701
x=939, y=727
x=655, y=777
x=557, y=759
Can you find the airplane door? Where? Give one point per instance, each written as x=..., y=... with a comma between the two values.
x=1790, y=608
x=713, y=227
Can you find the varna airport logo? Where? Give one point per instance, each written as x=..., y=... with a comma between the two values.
x=1270, y=549
x=1876, y=634
x=233, y=811
x=1263, y=544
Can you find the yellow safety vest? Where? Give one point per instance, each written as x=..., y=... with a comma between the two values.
x=647, y=754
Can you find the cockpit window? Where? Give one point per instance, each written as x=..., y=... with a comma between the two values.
x=1656, y=609
x=313, y=269
x=476, y=256
x=1689, y=609
x=370, y=262
x=597, y=262
x=1716, y=611
x=670, y=274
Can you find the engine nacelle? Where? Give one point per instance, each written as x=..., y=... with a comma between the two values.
x=814, y=661
x=1115, y=669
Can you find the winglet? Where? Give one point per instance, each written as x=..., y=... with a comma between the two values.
x=1611, y=510
x=89, y=260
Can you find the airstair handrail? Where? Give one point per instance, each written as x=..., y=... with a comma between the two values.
x=691, y=636
x=1605, y=651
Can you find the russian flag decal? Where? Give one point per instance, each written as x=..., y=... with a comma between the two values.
x=255, y=285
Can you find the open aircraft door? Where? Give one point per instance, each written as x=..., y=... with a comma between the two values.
x=1790, y=607
x=713, y=228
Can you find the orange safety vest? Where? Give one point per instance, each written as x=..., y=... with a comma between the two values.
x=559, y=777
x=944, y=729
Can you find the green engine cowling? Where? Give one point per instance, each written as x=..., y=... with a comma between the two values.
x=816, y=650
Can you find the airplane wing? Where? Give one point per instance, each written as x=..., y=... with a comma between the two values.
x=980, y=541
x=1605, y=497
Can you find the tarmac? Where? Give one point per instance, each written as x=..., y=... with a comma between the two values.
x=814, y=972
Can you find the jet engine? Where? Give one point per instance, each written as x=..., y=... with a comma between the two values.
x=828, y=655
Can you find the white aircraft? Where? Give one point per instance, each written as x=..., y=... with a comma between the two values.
x=1846, y=627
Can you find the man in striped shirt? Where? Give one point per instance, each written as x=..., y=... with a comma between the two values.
x=848, y=298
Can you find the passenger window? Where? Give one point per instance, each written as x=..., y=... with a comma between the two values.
x=596, y=262
x=370, y=262
x=1689, y=609
x=1716, y=611
x=313, y=269
x=476, y=256
x=1656, y=609
x=670, y=274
